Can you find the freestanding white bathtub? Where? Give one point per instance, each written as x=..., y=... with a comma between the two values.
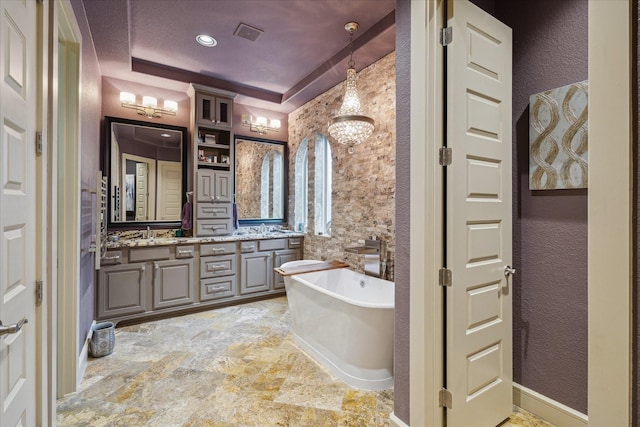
x=344, y=320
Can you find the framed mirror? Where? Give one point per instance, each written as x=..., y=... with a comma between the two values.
x=146, y=168
x=261, y=180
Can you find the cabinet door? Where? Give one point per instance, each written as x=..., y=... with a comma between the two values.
x=280, y=258
x=214, y=186
x=213, y=110
x=173, y=283
x=206, y=188
x=256, y=272
x=223, y=186
x=223, y=112
x=121, y=290
x=206, y=109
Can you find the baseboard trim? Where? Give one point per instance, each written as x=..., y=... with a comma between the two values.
x=83, y=358
x=395, y=421
x=548, y=409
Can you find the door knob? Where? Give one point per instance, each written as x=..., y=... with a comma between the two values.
x=509, y=271
x=12, y=329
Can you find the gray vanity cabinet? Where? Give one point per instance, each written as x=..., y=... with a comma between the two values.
x=173, y=283
x=122, y=290
x=156, y=280
x=213, y=160
x=255, y=268
x=213, y=210
x=218, y=271
x=280, y=258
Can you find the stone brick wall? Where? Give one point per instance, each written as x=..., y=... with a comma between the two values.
x=363, y=193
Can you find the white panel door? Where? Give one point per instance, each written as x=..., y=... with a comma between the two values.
x=142, y=192
x=17, y=212
x=169, y=191
x=479, y=340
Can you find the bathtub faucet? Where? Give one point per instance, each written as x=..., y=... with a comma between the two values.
x=375, y=257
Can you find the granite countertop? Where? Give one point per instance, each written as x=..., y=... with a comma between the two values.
x=164, y=241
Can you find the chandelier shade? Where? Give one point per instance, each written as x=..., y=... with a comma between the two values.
x=351, y=126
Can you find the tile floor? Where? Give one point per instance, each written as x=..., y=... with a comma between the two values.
x=234, y=366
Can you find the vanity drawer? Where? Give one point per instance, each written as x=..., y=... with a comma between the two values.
x=215, y=227
x=217, y=266
x=149, y=254
x=271, y=245
x=247, y=247
x=213, y=210
x=111, y=258
x=218, y=287
x=218, y=248
x=295, y=243
x=185, y=251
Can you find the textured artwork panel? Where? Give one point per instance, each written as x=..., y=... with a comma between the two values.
x=558, y=134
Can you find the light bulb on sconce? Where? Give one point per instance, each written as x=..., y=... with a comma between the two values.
x=149, y=106
x=262, y=125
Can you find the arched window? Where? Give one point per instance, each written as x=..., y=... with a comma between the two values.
x=323, y=171
x=301, y=182
x=278, y=179
x=264, y=188
x=271, y=186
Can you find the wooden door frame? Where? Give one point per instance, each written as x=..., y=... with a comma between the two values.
x=610, y=184
x=45, y=366
x=426, y=247
x=611, y=239
x=70, y=360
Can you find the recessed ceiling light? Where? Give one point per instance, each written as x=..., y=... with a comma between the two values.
x=206, y=40
x=165, y=135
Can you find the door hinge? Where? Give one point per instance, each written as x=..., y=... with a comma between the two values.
x=444, y=277
x=446, y=36
x=445, y=156
x=445, y=398
x=39, y=147
x=39, y=290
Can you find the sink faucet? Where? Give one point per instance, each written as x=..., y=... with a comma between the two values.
x=149, y=233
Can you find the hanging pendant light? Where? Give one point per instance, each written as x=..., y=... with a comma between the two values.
x=351, y=126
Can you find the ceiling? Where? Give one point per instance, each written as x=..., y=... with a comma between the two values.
x=302, y=51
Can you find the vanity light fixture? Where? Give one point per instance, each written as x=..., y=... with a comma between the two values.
x=261, y=124
x=351, y=126
x=149, y=106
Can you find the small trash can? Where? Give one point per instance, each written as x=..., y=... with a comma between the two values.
x=103, y=339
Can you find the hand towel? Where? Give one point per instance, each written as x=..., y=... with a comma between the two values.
x=187, y=216
x=236, y=223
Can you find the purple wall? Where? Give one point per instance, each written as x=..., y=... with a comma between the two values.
x=550, y=42
x=636, y=192
x=90, y=119
x=403, y=140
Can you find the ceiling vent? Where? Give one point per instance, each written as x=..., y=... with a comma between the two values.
x=247, y=32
